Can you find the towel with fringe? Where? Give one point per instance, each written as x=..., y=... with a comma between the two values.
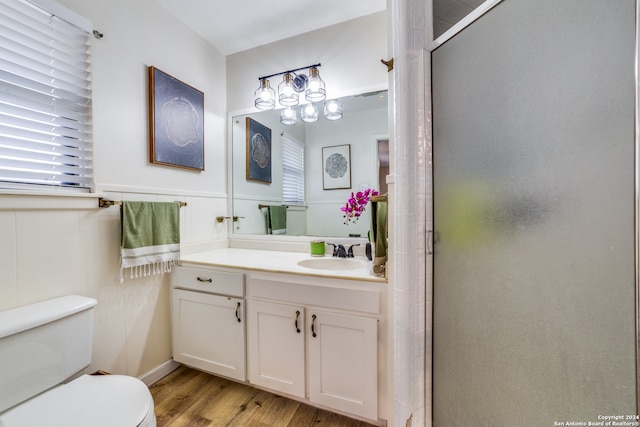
x=150, y=238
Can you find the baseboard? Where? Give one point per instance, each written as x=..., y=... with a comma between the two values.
x=159, y=372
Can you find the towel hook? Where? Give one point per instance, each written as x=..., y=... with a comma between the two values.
x=388, y=63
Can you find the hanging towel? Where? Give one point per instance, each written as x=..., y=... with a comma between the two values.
x=150, y=238
x=379, y=234
x=277, y=220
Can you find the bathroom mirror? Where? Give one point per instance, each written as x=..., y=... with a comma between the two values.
x=356, y=138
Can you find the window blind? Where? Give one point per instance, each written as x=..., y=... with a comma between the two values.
x=45, y=99
x=292, y=170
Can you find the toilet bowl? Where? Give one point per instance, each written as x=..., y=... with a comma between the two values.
x=96, y=401
x=43, y=345
x=90, y=400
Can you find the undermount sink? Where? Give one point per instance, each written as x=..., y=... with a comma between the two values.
x=332, y=263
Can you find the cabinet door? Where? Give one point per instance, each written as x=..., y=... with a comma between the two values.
x=208, y=333
x=343, y=362
x=276, y=347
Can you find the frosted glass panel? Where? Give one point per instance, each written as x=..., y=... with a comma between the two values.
x=534, y=274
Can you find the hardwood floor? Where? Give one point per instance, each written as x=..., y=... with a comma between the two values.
x=188, y=397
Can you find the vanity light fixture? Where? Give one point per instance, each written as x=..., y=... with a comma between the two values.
x=292, y=84
x=333, y=109
x=309, y=113
x=289, y=116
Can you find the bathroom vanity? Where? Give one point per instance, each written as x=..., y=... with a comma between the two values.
x=315, y=334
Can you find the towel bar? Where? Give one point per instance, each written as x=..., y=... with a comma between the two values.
x=105, y=203
x=260, y=206
x=222, y=218
x=380, y=198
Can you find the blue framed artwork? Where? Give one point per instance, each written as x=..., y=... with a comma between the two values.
x=176, y=125
x=258, y=152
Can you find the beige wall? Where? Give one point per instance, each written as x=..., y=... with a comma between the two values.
x=47, y=253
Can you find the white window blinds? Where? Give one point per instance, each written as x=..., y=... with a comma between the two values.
x=45, y=98
x=292, y=170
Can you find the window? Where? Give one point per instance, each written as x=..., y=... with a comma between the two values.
x=45, y=97
x=292, y=170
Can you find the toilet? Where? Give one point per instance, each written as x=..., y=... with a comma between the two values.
x=43, y=349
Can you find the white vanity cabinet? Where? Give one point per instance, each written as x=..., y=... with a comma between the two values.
x=315, y=342
x=208, y=320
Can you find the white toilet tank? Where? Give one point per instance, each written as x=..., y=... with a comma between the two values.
x=43, y=344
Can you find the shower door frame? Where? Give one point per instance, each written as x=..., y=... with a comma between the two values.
x=637, y=200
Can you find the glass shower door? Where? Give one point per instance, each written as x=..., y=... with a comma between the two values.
x=534, y=212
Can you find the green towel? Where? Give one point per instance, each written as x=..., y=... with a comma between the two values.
x=379, y=235
x=150, y=237
x=277, y=220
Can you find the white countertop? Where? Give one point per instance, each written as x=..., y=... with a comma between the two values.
x=277, y=262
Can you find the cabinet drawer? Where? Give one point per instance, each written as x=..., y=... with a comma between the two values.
x=209, y=281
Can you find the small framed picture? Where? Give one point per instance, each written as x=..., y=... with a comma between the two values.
x=176, y=122
x=258, y=151
x=336, y=167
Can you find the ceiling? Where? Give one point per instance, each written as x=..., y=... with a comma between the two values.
x=236, y=25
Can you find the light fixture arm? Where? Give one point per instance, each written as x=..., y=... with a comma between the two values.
x=289, y=71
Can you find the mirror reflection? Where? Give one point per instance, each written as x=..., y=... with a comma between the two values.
x=293, y=179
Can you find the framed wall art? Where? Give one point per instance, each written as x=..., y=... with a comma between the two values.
x=336, y=167
x=176, y=122
x=258, y=151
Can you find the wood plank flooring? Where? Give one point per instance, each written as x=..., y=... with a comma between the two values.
x=188, y=397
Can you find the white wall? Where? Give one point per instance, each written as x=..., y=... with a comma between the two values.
x=48, y=253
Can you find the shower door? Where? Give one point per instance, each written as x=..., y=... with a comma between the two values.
x=534, y=213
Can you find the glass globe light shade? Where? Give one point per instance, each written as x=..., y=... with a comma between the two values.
x=288, y=116
x=309, y=113
x=333, y=109
x=286, y=94
x=265, y=96
x=315, y=87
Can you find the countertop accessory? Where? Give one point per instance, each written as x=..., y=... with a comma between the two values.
x=317, y=248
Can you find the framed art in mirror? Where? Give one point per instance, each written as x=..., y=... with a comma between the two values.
x=336, y=167
x=176, y=122
x=258, y=151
